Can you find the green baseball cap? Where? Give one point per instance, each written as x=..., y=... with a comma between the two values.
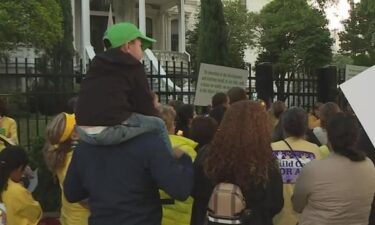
x=122, y=33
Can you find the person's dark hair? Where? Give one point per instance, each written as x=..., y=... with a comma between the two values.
x=315, y=108
x=294, y=122
x=203, y=129
x=241, y=154
x=364, y=144
x=219, y=99
x=278, y=132
x=3, y=108
x=326, y=112
x=217, y=113
x=176, y=104
x=278, y=108
x=342, y=132
x=236, y=94
x=184, y=115
x=11, y=158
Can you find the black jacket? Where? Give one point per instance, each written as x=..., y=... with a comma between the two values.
x=264, y=202
x=115, y=86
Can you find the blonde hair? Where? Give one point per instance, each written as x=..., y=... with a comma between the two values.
x=168, y=114
x=56, y=147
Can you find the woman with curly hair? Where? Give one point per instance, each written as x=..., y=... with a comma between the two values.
x=240, y=153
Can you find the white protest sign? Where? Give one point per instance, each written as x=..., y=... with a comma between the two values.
x=214, y=79
x=352, y=70
x=358, y=90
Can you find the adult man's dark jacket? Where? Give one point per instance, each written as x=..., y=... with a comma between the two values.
x=122, y=182
x=115, y=86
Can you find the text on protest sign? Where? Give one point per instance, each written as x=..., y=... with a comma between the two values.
x=214, y=79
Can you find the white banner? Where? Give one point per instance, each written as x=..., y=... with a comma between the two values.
x=214, y=79
x=352, y=70
x=359, y=91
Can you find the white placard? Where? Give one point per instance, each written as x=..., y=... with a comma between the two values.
x=352, y=70
x=90, y=52
x=359, y=91
x=214, y=79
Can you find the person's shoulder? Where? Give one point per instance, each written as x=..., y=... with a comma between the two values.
x=278, y=145
x=9, y=119
x=15, y=188
x=310, y=145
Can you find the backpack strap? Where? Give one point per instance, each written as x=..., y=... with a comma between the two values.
x=294, y=154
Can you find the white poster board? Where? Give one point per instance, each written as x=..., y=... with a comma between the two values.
x=352, y=70
x=214, y=79
x=359, y=91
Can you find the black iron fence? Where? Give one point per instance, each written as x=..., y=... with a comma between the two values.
x=36, y=90
x=300, y=87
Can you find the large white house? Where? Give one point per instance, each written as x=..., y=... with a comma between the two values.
x=164, y=20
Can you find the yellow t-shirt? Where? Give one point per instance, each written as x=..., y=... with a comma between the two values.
x=71, y=213
x=324, y=150
x=8, y=128
x=21, y=208
x=290, y=168
x=180, y=212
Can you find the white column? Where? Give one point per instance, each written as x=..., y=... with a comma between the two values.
x=142, y=16
x=181, y=28
x=163, y=38
x=85, y=32
x=73, y=5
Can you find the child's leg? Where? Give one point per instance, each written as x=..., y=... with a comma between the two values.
x=139, y=124
x=135, y=125
x=93, y=135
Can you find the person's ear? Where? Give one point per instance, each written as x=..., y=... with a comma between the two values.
x=125, y=47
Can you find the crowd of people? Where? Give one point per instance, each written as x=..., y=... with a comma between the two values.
x=124, y=158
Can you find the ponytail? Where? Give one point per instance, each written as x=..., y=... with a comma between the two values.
x=58, y=141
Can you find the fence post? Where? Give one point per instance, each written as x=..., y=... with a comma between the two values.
x=264, y=82
x=327, y=84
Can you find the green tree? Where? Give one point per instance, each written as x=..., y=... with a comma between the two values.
x=192, y=41
x=358, y=39
x=63, y=50
x=241, y=34
x=340, y=60
x=286, y=41
x=293, y=36
x=213, y=34
x=35, y=23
